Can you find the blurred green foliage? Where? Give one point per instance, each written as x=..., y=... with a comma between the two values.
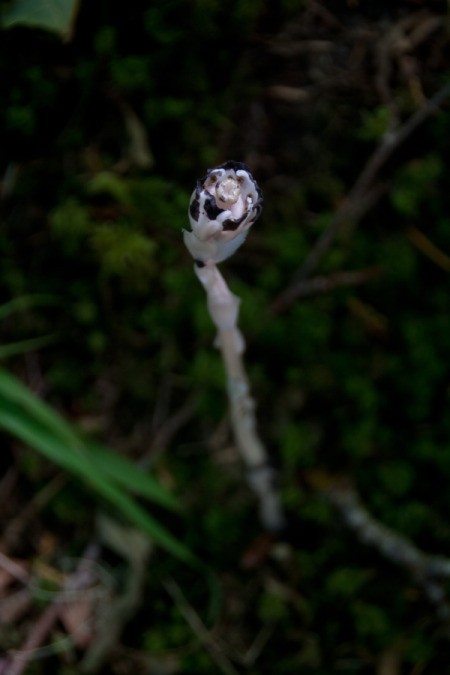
x=353, y=381
x=52, y=15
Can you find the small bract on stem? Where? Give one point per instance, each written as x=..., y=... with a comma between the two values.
x=223, y=207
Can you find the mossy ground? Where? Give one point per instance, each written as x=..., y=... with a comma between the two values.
x=101, y=141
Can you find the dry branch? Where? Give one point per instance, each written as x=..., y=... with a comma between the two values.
x=364, y=184
x=429, y=571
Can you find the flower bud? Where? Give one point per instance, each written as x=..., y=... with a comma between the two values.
x=223, y=206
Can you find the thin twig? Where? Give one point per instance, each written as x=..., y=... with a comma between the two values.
x=428, y=570
x=13, y=569
x=322, y=284
x=167, y=431
x=42, y=627
x=390, y=142
x=430, y=250
x=254, y=651
x=13, y=531
x=116, y=611
x=199, y=628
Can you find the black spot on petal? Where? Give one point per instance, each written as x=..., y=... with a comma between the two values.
x=211, y=208
x=194, y=209
x=230, y=225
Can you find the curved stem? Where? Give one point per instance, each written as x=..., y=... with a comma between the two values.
x=223, y=307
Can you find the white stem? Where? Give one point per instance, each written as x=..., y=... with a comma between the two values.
x=223, y=307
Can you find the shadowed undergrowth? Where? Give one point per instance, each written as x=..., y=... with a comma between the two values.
x=112, y=400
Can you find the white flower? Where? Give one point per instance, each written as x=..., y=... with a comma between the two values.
x=223, y=206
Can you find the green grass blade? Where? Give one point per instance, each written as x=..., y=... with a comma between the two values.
x=131, y=477
x=13, y=419
x=96, y=458
x=12, y=390
x=32, y=433
x=24, y=302
x=25, y=346
x=56, y=16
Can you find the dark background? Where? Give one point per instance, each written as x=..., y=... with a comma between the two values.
x=102, y=137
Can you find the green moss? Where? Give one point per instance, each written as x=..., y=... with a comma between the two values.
x=347, y=583
x=352, y=382
x=272, y=607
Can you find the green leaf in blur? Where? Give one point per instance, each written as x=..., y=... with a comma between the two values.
x=56, y=16
x=108, y=183
x=23, y=346
x=414, y=185
x=374, y=123
x=35, y=423
x=24, y=302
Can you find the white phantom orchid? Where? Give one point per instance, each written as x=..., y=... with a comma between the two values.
x=223, y=206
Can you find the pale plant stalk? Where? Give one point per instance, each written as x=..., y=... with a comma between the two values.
x=224, y=205
x=223, y=307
